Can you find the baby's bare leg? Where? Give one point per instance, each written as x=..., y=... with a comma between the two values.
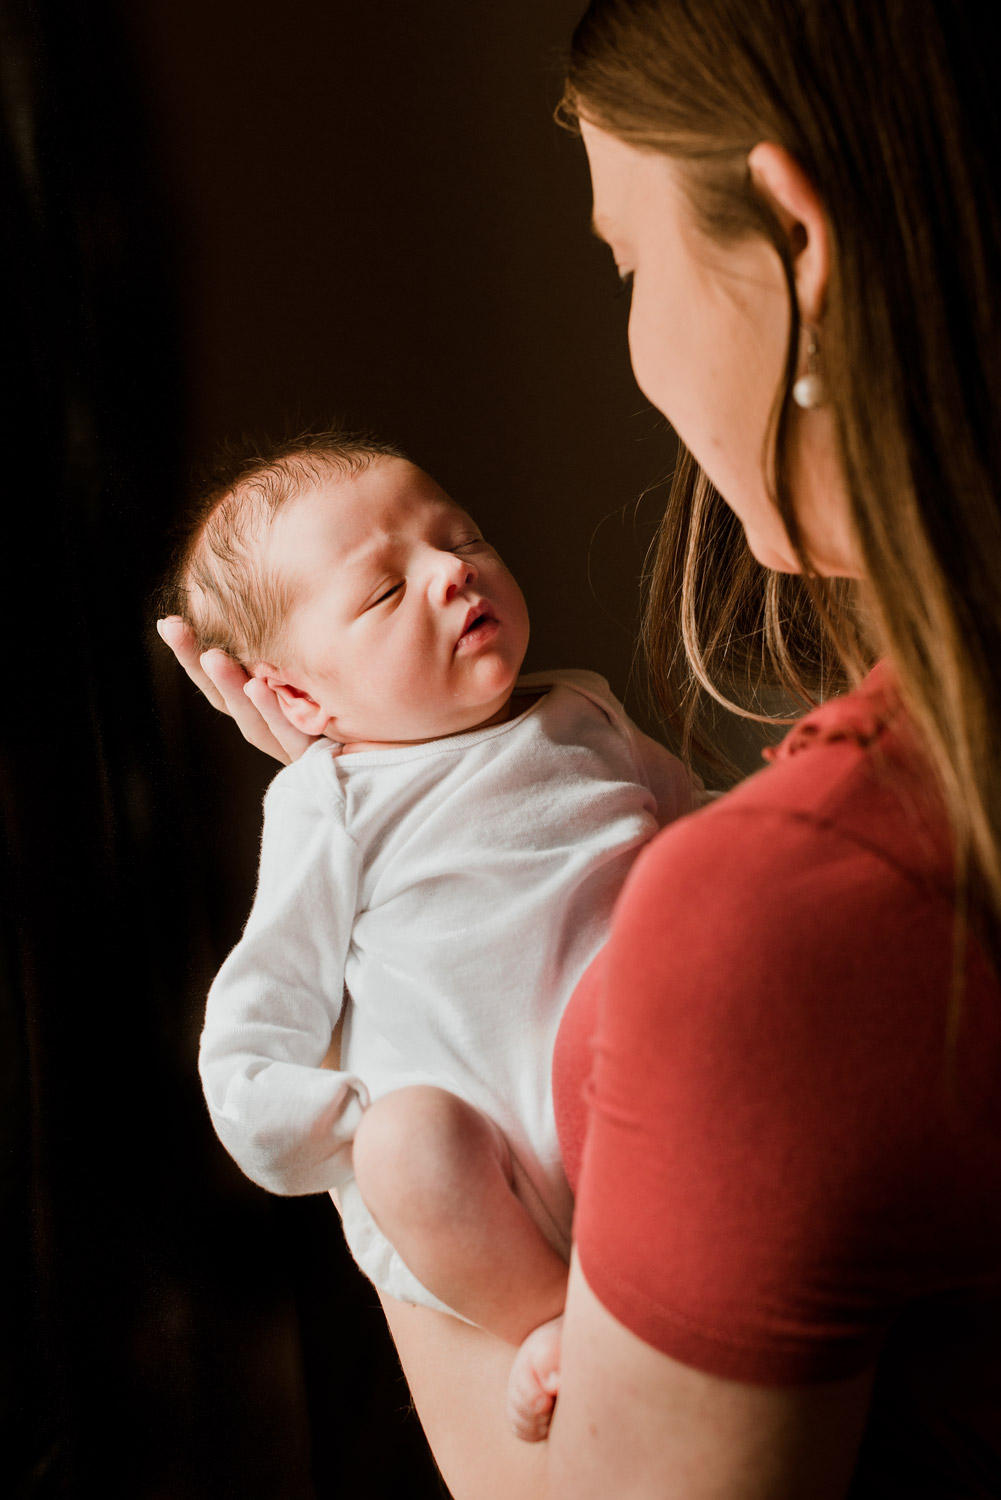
x=436, y=1176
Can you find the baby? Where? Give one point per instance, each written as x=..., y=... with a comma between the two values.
x=436, y=873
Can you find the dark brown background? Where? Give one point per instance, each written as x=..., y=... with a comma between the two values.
x=221, y=217
x=376, y=216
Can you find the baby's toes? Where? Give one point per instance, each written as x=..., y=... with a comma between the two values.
x=529, y=1417
x=534, y=1380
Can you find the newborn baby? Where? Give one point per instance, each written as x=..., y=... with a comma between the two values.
x=436, y=873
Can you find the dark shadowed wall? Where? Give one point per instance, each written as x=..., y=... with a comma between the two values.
x=376, y=216
x=226, y=217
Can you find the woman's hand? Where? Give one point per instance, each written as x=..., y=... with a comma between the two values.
x=226, y=685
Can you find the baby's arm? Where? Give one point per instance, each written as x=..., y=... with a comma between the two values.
x=677, y=789
x=286, y=1120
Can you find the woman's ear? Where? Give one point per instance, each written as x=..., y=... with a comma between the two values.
x=780, y=180
x=301, y=711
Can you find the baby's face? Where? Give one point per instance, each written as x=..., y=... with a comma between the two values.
x=408, y=625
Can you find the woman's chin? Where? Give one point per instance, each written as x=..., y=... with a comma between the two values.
x=771, y=557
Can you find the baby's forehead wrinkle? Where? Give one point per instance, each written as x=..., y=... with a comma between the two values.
x=382, y=538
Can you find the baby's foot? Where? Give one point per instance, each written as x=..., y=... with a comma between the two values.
x=534, y=1381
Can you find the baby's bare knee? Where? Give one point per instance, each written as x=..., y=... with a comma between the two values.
x=415, y=1149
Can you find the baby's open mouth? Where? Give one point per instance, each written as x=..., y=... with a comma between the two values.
x=479, y=616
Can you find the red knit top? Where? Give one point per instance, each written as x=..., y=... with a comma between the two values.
x=785, y=1170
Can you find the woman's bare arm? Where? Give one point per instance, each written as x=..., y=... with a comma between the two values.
x=458, y=1378
x=254, y=708
x=630, y=1421
x=634, y=1423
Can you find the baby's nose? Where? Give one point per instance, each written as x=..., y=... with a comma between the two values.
x=456, y=573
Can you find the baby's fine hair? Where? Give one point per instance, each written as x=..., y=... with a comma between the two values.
x=221, y=583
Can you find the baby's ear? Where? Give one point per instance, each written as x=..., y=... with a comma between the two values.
x=302, y=711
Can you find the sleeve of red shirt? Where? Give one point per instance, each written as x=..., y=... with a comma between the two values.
x=767, y=1170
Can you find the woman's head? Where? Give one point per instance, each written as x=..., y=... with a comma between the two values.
x=885, y=113
x=709, y=337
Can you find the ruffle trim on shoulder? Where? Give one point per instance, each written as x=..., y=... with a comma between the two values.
x=860, y=716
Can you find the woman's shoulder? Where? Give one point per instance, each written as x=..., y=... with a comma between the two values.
x=805, y=921
x=848, y=796
x=769, y=1118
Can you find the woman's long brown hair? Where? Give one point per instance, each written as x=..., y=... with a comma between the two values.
x=891, y=108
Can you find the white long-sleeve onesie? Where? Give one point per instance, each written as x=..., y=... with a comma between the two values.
x=456, y=890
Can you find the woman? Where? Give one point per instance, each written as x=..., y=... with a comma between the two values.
x=788, y=1269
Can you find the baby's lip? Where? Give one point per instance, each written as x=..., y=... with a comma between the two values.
x=478, y=612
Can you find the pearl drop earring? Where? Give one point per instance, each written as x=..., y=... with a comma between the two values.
x=809, y=392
